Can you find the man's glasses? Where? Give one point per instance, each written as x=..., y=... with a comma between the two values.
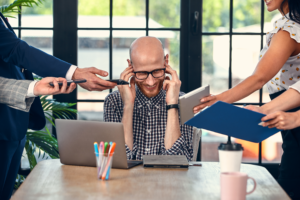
x=157, y=73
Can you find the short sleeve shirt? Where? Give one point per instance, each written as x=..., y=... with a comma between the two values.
x=289, y=74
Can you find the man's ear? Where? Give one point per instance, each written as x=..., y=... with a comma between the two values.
x=167, y=58
x=129, y=63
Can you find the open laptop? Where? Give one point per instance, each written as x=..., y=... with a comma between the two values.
x=76, y=142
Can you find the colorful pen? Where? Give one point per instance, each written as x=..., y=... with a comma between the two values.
x=97, y=153
x=101, y=147
x=105, y=173
x=96, y=147
x=104, y=158
x=105, y=147
x=100, y=155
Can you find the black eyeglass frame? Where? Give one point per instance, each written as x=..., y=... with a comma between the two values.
x=149, y=73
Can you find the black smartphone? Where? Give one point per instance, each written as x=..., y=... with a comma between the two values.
x=69, y=82
x=119, y=81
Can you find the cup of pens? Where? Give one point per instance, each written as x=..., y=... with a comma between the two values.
x=104, y=157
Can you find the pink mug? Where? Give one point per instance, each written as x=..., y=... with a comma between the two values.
x=234, y=186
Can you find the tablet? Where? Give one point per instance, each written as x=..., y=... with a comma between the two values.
x=188, y=101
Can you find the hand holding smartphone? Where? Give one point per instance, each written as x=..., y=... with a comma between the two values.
x=69, y=82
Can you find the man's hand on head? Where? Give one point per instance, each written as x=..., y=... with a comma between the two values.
x=94, y=83
x=172, y=87
x=127, y=93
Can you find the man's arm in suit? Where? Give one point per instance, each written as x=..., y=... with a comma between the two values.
x=20, y=94
x=14, y=93
x=15, y=51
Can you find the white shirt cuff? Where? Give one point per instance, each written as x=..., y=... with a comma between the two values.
x=71, y=72
x=296, y=86
x=30, y=91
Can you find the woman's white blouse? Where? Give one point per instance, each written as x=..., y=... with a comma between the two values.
x=289, y=75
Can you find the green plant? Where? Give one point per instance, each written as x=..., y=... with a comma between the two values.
x=15, y=7
x=43, y=141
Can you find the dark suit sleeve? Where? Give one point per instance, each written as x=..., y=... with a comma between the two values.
x=17, y=52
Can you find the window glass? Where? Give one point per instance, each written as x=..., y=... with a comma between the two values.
x=38, y=16
x=215, y=62
x=164, y=13
x=129, y=14
x=245, y=54
x=215, y=16
x=93, y=13
x=90, y=111
x=246, y=16
x=93, y=51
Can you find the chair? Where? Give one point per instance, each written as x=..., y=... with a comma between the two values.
x=196, y=140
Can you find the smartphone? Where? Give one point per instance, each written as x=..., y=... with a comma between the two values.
x=119, y=81
x=69, y=82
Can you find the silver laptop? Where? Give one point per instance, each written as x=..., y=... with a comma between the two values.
x=76, y=142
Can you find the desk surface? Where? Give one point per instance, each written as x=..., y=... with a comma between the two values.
x=52, y=180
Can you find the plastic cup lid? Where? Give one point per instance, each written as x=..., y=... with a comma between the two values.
x=230, y=147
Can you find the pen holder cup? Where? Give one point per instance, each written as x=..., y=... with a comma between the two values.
x=104, y=164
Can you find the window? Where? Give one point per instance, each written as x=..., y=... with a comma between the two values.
x=219, y=48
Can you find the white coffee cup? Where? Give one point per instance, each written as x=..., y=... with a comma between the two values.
x=230, y=157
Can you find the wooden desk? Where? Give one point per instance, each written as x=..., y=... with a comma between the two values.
x=51, y=180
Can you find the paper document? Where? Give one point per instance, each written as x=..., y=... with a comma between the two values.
x=233, y=121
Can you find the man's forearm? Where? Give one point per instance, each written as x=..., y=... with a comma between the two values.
x=127, y=121
x=173, y=128
x=286, y=101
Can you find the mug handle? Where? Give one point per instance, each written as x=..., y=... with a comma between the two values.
x=254, y=187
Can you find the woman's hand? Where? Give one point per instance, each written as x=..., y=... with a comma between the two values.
x=206, y=101
x=255, y=108
x=282, y=120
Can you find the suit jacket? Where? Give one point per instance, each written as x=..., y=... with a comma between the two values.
x=16, y=54
x=13, y=93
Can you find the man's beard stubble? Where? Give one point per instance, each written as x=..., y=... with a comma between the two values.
x=140, y=86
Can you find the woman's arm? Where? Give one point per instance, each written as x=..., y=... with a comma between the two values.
x=281, y=48
x=288, y=100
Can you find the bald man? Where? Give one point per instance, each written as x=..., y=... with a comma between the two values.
x=148, y=108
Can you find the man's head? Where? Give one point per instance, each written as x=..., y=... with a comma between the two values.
x=146, y=55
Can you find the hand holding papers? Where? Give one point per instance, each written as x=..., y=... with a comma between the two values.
x=233, y=121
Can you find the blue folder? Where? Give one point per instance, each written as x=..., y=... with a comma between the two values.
x=233, y=121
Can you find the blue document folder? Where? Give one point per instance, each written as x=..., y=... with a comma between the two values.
x=233, y=121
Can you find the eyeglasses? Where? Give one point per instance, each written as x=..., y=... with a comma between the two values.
x=157, y=73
